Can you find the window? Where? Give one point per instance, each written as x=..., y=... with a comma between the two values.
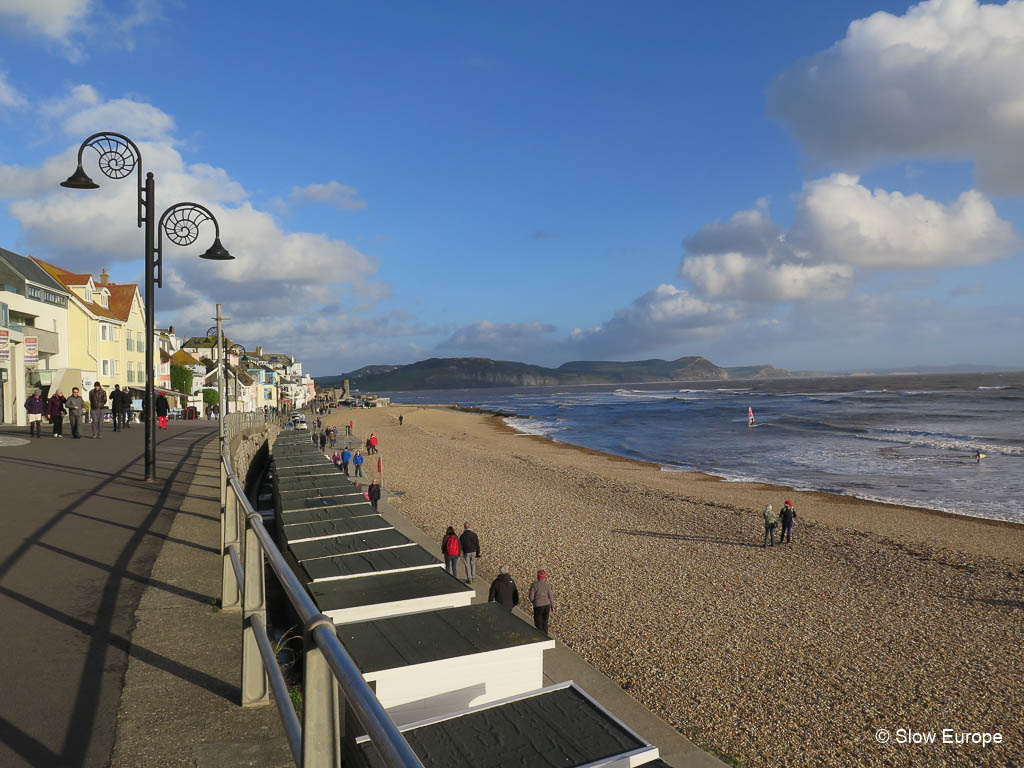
x=129, y=342
x=88, y=295
x=34, y=292
x=131, y=371
x=103, y=300
x=114, y=336
x=104, y=333
x=105, y=367
x=4, y=316
x=139, y=343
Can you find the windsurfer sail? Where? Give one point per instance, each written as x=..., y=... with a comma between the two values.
x=750, y=416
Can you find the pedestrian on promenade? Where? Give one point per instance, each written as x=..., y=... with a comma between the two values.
x=332, y=435
x=373, y=493
x=76, y=407
x=162, y=409
x=97, y=405
x=348, y=429
x=128, y=409
x=469, y=542
x=373, y=443
x=543, y=601
x=357, y=462
x=504, y=590
x=55, y=410
x=787, y=516
x=770, y=521
x=346, y=457
x=336, y=458
x=450, y=550
x=34, y=407
x=323, y=441
x=117, y=407
x=400, y=419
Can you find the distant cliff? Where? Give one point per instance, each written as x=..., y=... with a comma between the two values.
x=472, y=372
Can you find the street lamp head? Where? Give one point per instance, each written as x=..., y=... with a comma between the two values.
x=217, y=252
x=79, y=180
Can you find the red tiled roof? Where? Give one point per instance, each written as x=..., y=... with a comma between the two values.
x=67, y=279
x=121, y=297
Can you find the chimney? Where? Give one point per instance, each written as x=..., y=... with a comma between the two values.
x=104, y=277
x=170, y=329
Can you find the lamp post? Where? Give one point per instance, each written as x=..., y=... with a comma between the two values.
x=118, y=157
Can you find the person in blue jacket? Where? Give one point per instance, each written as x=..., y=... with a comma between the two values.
x=346, y=457
x=357, y=461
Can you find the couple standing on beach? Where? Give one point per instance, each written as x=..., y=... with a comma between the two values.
x=771, y=520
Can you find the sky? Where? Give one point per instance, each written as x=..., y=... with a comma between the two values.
x=818, y=186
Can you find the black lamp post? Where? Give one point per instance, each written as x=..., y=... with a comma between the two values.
x=118, y=157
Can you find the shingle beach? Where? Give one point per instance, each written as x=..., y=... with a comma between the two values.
x=875, y=617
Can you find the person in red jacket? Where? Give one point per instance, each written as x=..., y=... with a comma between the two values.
x=450, y=549
x=373, y=443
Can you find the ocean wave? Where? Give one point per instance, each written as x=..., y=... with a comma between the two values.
x=537, y=427
x=988, y=388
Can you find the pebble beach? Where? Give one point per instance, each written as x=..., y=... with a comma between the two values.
x=878, y=621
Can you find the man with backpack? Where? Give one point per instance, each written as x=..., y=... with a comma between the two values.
x=469, y=542
x=450, y=549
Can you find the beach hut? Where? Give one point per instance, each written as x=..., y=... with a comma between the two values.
x=439, y=662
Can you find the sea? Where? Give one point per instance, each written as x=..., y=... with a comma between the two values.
x=907, y=439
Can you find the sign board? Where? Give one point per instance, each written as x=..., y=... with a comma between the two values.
x=31, y=349
x=5, y=345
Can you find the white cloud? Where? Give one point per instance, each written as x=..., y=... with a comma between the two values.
x=501, y=339
x=54, y=19
x=840, y=227
x=9, y=95
x=943, y=80
x=332, y=193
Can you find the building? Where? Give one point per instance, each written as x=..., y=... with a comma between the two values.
x=107, y=329
x=34, y=338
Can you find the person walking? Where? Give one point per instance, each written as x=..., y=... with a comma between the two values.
x=770, y=521
x=543, y=601
x=373, y=443
x=323, y=441
x=336, y=459
x=116, y=407
x=76, y=408
x=34, y=407
x=373, y=493
x=357, y=462
x=469, y=542
x=332, y=435
x=450, y=550
x=97, y=406
x=348, y=430
x=787, y=516
x=346, y=457
x=162, y=409
x=504, y=590
x=55, y=412
x=400, y=420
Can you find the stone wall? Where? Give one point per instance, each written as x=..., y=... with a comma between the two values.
x=249, y=452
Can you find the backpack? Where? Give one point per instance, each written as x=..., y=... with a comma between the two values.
x=451, y=545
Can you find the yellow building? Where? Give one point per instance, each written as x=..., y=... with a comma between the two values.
x=107, y=329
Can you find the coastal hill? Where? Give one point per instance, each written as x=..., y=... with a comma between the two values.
x=472, y=372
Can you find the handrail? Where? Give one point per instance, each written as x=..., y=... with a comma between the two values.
x=315, y=742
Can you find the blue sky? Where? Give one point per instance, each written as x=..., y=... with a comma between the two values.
x=813, y=185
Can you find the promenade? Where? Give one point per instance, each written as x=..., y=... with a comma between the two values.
x=81, y=532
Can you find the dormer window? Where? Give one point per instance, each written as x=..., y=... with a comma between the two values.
x=88, y=295
x=104, y=299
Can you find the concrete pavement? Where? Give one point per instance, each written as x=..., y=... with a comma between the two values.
x=81, y=530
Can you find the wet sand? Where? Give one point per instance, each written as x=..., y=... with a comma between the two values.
x=876, y=616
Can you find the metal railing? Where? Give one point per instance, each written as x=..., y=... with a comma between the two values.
x=316, y=741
